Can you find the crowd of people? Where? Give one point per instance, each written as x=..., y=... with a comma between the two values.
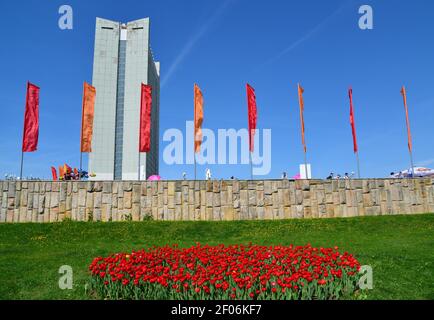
x=12, y=177
x=332, y=176
x=74, y=175
x=66, y=173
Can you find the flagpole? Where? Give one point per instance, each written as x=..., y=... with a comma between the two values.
x=410, y=149
x=358, y=164
x=411, y=163
x=194, y=156
x=81, y=161
x=24, y=126
x=81, y=131
x=22, y=160
x=139, y=168
x=251, y=166
x=301, y=104
x=194, y=130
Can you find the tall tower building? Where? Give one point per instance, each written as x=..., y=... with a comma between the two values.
x=123, y=60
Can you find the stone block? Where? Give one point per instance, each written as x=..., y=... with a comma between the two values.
x=209, y=214
x=136, y=193
x=55, y=186
x=252, y=213
x=97, y=200
x=260, y=199
x=236, y=186
x=268, y=200
x=136, y=212
x=128, y=199
x=216, y=214
x=11, y=189
x=127, y=186
x=144, y=188
x=216, y=186
x=321, y=197
x=54, y=200
x=171, y=188
x=299, y=197
x=209, y=199
x=97, y=214
x=342, y=197
x=268, y=187
x=63, y=191
x=115, y=187
x=107, y=187
x=287, y=213
x=82, y=198
x=244, y=198
x=268, y=213
x=216, y=200
x=244, y=212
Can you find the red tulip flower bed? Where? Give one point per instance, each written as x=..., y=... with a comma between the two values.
x=226, y=272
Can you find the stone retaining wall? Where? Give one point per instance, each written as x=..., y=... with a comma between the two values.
x=43, y=201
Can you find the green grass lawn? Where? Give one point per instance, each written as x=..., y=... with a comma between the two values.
x=399, y=248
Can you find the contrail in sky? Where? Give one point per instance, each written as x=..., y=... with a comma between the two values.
x=192, y=42
x=307, y=35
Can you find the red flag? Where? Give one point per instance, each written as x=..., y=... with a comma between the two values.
x=31, y=119
x=253, y=116
x=54, y=173
x=352, y=121
x=404, y=96
x=145, y=118
x=301, y=104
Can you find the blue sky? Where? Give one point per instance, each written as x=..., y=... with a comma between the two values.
x=221, y=45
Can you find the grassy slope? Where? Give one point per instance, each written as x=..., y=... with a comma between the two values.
x=399, y=248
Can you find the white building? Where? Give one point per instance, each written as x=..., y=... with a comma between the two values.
x=123, y=60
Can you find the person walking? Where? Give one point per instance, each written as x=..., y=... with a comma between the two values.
x=208, y=174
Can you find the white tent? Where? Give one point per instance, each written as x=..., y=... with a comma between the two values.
x=418, y=172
